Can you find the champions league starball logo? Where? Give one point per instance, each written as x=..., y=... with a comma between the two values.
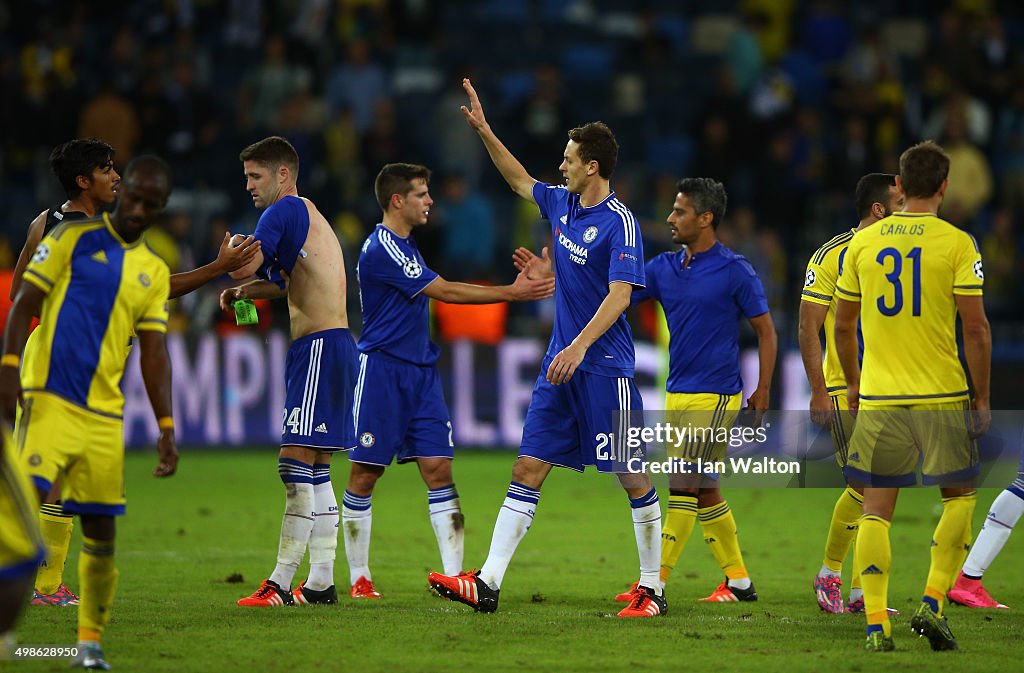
x=810, y=278
x=978, y=270
x=412, y=269
x=42, y=254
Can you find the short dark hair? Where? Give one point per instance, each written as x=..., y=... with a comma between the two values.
x=397, y=179
x=707, y=195
x=597, y=143
x=871, y=189
x=79, y=157
x=923, y=168
x=273, y=152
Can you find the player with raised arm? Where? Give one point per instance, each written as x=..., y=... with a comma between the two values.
x=907, y=278
x=95, y=285
x=301, y=259
x=85, y=169
x=584, y=400
x=876, y=197
x=400, y=412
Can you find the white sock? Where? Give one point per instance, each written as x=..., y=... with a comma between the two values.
x=514, y=519
x=448, y=523
x=1006, y=510
x=297, y=523
x=856, y=594
x=828, y=572
x=741, y=583
x=647, y=528
x=356, y=521
x=323, y=541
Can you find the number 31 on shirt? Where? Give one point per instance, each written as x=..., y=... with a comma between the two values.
x=891, y=258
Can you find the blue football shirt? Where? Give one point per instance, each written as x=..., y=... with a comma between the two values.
x=282, y=231
x=704, y=304
x=396, y=321
x=593, y=247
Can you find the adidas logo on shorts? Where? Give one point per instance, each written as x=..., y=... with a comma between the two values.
x=321, y=428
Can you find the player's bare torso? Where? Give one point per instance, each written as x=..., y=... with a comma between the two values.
x=317, y=287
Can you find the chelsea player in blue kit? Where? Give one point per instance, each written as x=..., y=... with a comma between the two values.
x=399, y=407
x=301, y=259
x=584, y=399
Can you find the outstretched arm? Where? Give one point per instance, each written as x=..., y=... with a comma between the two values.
x=255, y=289
x=515, y=175
x=229, y=258
x=156, y=374
x=523, y=289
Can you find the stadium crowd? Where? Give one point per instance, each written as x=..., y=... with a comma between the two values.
x=787, y=102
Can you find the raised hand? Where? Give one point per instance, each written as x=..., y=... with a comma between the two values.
x=540, y=267
x=474, y=113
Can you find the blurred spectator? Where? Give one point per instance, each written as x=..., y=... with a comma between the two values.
x=267, y=86
x=114, y=120
x=1009, y=151
x=359, y=84
x=970, y=180
x=543, y=118
x=1002, y=266
x=468, y=233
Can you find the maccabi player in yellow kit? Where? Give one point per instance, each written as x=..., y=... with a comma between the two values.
x=95, y=286
x=907, y=277
x=876, y=197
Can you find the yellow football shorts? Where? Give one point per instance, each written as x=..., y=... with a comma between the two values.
x=888, y=442
x=706, y=420
x=21, y=547
x=56, y=437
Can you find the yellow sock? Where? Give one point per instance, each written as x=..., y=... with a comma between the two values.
x=56, y=527
x=872, y=562
x=682, y=515
x=719, y=529
x=842, y=529
x=98, y=578
x=854, y=576
x=948, y=546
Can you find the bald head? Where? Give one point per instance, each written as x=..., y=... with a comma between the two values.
x=145, y=188
x=152, y=169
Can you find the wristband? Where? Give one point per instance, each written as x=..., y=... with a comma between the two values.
x=166, y=422
x=10, y=360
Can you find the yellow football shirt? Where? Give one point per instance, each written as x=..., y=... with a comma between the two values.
x=905, y=271
x=99, y=291
x=820, y=288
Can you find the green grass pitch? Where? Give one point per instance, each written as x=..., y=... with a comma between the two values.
x=220, y=515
